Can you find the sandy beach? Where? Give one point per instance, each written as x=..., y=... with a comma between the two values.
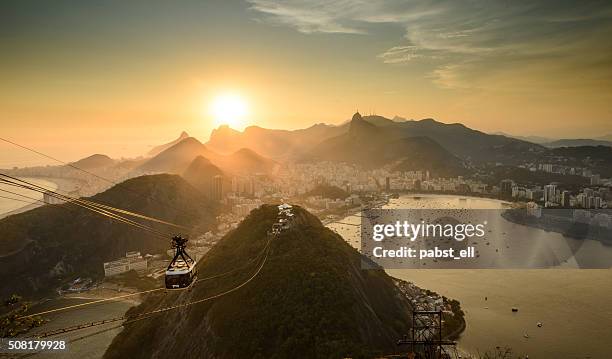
x=57, y=184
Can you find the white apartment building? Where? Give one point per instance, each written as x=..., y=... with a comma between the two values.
x=132, y=261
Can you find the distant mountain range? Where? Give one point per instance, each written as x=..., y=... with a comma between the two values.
x=605, y=138
x=199, y=165
x=276, y=144
x=312, y=299
x=577, y=143
x=370, y=141
x=458, y=140
x=374, y=145
x=599, y=158
x=533, y=139
x=94, y=162
x=177, y=158
x=49, y=245
x=567, y=142
x=158, y=149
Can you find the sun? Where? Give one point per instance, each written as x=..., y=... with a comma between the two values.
x=229, y=109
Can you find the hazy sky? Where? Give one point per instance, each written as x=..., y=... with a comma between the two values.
x=78, y=77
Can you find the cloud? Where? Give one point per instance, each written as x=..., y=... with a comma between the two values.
x=404, y=54
x=458, y=38
x=310, y=17
x=448, y=77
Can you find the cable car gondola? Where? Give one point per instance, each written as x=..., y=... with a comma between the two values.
x=182, y=269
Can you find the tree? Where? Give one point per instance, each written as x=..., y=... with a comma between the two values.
x=13, y=321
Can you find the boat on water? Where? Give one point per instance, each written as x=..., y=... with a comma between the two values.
x=514, y=309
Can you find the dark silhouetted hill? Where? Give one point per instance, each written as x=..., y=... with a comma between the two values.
x=328, y=191
x=599, y=158
x=311, y=299
x=200, y=174
x=247, y=161
x=47, y=246
x=372, y=146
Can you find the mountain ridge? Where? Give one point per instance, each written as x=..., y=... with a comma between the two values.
x=371, y=146
x=177, y=158
x=158, y=149
x=460, y=140
x=94, y=161
x=577, y=142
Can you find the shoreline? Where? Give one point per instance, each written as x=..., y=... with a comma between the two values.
x=413, y=293
x=527, y=289
x=456, y=332
x=62, y=185
x=587, y=232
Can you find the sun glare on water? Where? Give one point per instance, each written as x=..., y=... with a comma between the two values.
x=229, y=109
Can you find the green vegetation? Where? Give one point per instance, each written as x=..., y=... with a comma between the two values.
x=453, y=324
x=328, y=191
x=11, y=323
x=525, y=176
x=311, y=299
x=598, y=158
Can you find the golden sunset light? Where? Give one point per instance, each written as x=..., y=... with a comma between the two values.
x=229, y=109
x=306, y=179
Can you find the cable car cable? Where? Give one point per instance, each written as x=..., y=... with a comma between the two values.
x=85, y=204
x=248, y=263
x=147, y=315
x=119, y=185
x=14, y=179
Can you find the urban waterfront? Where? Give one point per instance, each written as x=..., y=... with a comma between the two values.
x=572, y=305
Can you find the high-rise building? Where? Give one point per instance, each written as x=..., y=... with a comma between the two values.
x=565, y=198
x=547, y=167
x=505, y=189
x=348, y=187
x=593, y=202
x=131, y=261
x=550, y=193
x=217, y=187
x=582, y=200
x=50, y=198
